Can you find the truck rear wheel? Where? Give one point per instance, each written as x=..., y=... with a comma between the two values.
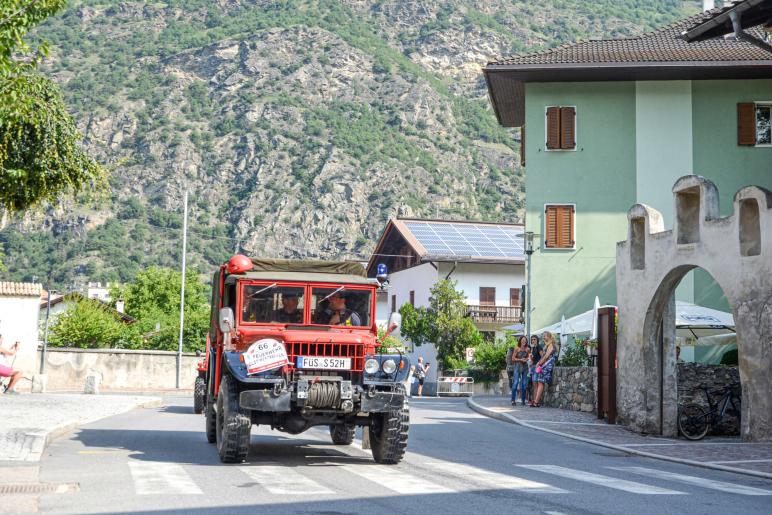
x=199, y=395
x=388, y=434
x=342, y=434
x=233, y=424
x=210, y=421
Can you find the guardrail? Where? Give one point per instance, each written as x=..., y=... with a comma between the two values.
x=455, y=386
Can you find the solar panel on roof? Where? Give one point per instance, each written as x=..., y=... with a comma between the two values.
x=468, y=239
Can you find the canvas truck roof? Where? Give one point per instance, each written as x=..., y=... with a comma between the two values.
x=305, y=270
x=300, y=277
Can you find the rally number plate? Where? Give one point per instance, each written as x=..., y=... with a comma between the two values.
x=323, y=363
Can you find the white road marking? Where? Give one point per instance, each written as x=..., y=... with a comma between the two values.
x=712, y=484
x=394, y=479
x=284, y=480
x=494, y=480
x=597, y=479
x=740, y=461
x=159, y=477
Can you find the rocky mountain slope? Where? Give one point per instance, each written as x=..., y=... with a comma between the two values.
x=298, y=127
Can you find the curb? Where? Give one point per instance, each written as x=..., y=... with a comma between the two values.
x=505, y=417
x=40, y=439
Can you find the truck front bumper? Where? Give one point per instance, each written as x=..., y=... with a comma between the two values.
x=266, y=400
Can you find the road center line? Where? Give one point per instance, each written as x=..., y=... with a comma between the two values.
x=597, y=479
x=731, y=488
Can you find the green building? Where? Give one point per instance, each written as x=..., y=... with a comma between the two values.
x=606, y=124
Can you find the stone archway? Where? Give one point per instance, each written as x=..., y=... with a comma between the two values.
x=737, y=252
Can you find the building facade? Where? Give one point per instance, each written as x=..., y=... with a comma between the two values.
x=612, y=123
x=19, y=306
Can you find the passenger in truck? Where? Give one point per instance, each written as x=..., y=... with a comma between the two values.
x=289, y=312
x=336, y=312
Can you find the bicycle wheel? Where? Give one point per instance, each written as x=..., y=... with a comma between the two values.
x=693, y=421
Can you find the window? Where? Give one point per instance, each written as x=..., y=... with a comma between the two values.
x=340, y=306
x=559, y=226
x=412, y=298
x=561, y=128
x=514, y=296
x=272, y=304
x=487, y=296
x=754, y=123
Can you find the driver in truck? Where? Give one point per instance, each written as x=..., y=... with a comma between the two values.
x=289, y=312
x=336, y=312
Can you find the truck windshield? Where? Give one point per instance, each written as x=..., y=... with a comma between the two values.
x=340, y=306
x=268, y=303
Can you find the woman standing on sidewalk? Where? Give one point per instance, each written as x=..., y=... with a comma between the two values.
x=534, y=357
x=520, y=361
x=544, y=367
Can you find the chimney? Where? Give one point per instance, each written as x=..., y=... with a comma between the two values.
x=707, y=5
x=119, y=305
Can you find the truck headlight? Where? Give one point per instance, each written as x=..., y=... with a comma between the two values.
x=371, y=366
x=389, y=366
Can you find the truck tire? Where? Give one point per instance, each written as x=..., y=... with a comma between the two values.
x=388, y=434
x=210, y=421
x=199, y=395
x=342, y=434
x=233, y=424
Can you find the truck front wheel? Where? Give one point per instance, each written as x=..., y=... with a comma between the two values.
x=233, y=424
x=342, y=434
x=388, y=434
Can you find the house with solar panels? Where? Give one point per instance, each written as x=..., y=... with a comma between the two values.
x=608, y=123
x=486, y=260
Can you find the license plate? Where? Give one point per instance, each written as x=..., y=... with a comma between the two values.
x=323, y=363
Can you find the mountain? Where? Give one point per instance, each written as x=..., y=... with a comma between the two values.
x=297, y=127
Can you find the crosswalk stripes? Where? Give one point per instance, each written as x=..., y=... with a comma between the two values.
x=283, y=480
x=600, y=480
x=159, y=477
x=396, y=480
x=495, y=480
x=712, y=484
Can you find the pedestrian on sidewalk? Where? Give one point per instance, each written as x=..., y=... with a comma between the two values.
x=420, y=373
x=7, y=370
x=533, y=358
x=520, y=361
x=544, y=367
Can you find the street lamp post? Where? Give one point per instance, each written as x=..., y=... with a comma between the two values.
x=528, y=251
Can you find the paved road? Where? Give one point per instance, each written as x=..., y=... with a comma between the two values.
x=158, y=461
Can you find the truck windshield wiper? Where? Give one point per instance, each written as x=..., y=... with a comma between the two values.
x=261, y=291
x=333, y=293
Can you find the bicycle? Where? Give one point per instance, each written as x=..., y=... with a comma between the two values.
x=694, y=420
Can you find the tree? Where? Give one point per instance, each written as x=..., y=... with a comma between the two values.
x=444, y=323
x=154, y=299
x=89, y=324
x=39, y=153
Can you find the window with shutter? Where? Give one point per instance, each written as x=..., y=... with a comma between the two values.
x=553, y=128
x=487, y=296
x=412, y=298
x=567, y=128
x=559, y=226
x=514, y=297
x=746, y=124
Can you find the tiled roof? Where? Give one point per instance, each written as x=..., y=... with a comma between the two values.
x=8, y=289
x=663, y=45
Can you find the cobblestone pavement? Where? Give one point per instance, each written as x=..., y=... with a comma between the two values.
x=726, y=452
x=28, y=422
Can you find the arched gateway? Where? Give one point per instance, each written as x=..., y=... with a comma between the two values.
x=737, y=252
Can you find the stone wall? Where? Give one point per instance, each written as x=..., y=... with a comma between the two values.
x=118, y=368
x=692, y=375
x=573, y=388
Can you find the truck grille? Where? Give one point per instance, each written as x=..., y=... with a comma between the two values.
x=355, y=351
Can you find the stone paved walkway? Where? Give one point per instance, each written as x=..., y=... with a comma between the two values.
x=29, y=421
x=718, y=452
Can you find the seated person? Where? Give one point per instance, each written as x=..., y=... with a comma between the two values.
x=336, y=312
x=289, y=312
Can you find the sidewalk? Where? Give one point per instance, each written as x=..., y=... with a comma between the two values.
x=30, y=421
x=722, y=453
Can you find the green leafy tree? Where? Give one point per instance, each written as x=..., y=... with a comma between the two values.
x=154, y=300
x=89, y=324
x=444, y=323
x=39, y=153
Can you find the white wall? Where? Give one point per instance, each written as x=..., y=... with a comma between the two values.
x=19, y=322
x=419, y=279
x=471, y=276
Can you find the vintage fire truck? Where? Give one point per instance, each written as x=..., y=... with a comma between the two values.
x=294, y=344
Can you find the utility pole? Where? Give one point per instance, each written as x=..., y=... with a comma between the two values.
x=182, y=289
x=528, y=251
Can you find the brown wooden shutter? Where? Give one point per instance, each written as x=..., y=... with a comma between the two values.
x=412, y=298
x=565, y=224
x=746, y=123
x=393, y=303
x=551, y=227
x=553, y=128
x=487, y=296
x=567, y=127
x=522, y=145
x=514, y=297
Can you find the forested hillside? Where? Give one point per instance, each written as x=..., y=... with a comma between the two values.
x=298, y=127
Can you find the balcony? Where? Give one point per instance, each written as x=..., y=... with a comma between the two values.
x=493, y=314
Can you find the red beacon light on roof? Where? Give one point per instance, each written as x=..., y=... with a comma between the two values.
x=238, y=264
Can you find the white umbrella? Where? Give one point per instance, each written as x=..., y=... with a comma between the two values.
x=563, y=330
x=595, y=308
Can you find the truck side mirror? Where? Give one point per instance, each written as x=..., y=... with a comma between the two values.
x=226, y=320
